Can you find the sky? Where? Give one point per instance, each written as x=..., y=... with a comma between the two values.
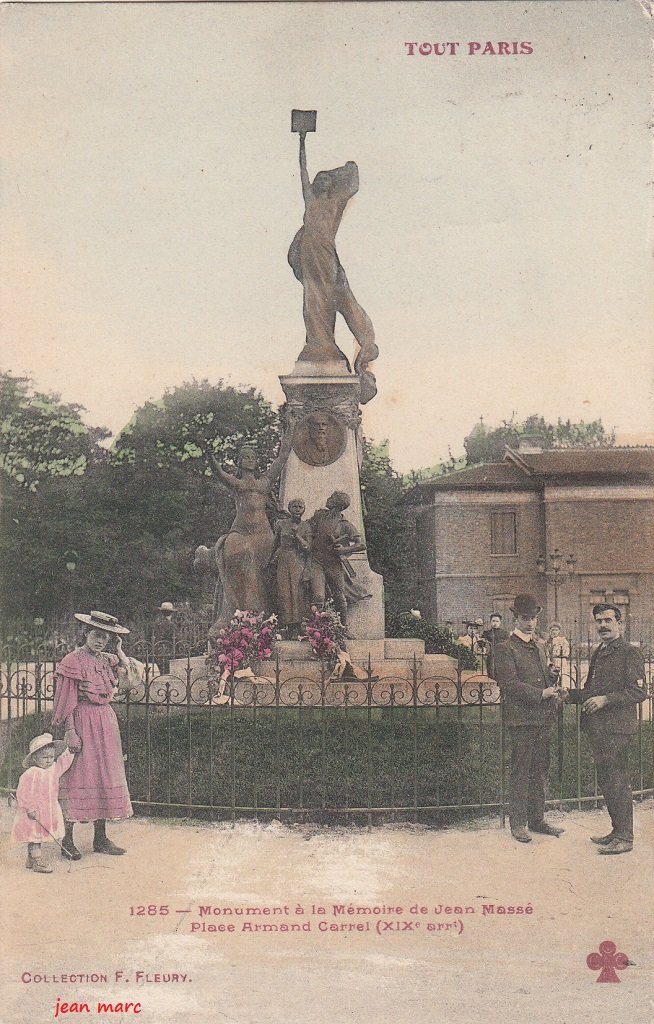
x=500, y=240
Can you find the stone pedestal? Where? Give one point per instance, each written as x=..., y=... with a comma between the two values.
x=322, y=406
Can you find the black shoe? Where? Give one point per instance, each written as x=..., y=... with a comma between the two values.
x=38, y=865
x=603, y=840
x=617, y=846
x=69, y=851
x=106, y=846
x=544, y=829
x=520, y=833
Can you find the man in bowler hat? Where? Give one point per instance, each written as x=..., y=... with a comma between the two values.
x=531, y=699
x=613, y=689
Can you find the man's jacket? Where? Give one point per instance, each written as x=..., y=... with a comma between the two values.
x=520, y=669
x=614, y=671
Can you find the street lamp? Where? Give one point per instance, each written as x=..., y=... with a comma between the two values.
x=557, y=573
x=71, y=560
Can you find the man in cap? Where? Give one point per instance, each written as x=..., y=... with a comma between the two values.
x=473, y=640
x=163, y=636
x=613, y=689
x=531, y=701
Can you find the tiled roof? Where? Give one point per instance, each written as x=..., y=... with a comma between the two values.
x=524, y=471
x=604, y=462
x=494, y=476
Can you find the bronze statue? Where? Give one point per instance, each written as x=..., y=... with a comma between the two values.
x=291, y=551
x=333, y=539
x=243, y=554
x=315, y=263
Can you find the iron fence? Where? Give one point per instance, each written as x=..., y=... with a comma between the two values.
x=417, y=746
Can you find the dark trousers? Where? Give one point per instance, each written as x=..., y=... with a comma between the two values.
x=530, y=763
x=612, y=763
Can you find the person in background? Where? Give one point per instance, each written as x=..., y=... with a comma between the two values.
x=610, y=696
x=494, y=635
x=163, y=635
x=557, y=645
x=473, y=640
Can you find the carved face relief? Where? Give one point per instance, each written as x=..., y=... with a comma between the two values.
x=320, y=438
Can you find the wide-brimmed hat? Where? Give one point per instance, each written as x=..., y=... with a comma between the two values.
x=38, y=743
x=166, y=606
x=525, y=604
x=100, y=620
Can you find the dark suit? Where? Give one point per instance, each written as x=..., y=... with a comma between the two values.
x=614, y=671
x=522, y=674
x=494, y=638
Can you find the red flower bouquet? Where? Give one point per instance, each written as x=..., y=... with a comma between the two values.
x=249, y=639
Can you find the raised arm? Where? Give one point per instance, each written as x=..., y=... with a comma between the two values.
x=225, y=478
x=304, y=174
x=277, y=465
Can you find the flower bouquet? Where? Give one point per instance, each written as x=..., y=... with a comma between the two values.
x=326, y=634
x=237, y=650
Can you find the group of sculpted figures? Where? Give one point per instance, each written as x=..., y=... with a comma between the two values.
x=299, y=563
x=286, y=569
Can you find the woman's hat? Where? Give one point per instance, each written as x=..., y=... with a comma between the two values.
x=100, y=620
x=38, y=743
x=525, y=604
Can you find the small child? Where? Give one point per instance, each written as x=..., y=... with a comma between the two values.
x=38, y=817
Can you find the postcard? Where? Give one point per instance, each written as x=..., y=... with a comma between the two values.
x=423, y=231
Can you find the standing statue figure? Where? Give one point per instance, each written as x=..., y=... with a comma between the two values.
x=243, y=554
x=333, y=539
x=315, y=263
x=291, y=551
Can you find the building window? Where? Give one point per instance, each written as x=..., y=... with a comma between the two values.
x=503, y=533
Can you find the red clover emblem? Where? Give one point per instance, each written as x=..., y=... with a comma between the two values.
x=607, y=961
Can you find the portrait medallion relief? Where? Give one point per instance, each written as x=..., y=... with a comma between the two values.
x=319, y=439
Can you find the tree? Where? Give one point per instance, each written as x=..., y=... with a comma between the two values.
x=46, y=450
x=389, y=536
x=484, y=445
x=83, y=528
x=42, y=437
x=159, y=498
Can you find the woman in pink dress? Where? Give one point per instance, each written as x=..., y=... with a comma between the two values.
x=38, y=814
x=95, y=787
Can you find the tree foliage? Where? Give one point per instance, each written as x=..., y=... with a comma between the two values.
x=42, y=437
x=389, y=536
x=487, y=445
x=193, y=420
x=118, y=531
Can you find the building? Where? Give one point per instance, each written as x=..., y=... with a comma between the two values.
x=488, y=532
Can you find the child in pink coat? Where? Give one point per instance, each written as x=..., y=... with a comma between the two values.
x=38, y=816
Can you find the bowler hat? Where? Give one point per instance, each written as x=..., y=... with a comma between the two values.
x=525, y=604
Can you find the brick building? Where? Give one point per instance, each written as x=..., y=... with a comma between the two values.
x=482, y=530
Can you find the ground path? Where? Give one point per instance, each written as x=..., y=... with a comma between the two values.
x=506, y=968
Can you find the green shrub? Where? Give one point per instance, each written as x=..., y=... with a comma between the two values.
x=438, y=639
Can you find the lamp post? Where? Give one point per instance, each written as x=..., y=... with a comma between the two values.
x=559, y=572
x=71, y=559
